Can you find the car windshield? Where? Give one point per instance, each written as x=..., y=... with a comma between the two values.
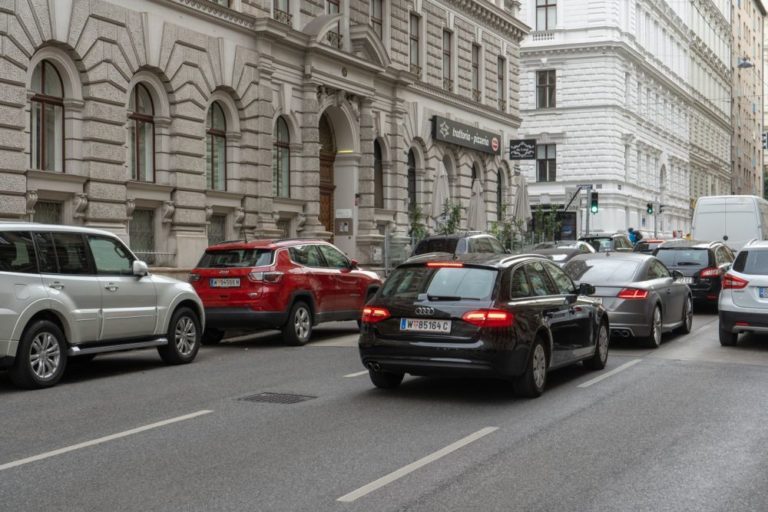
x=602, y=271
x=233, y=258
x=436, y=245
x=440, y=283
x=684, y=257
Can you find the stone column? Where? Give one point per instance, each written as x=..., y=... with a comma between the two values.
x=368, y=237
x=310, y=163
x=400, y=240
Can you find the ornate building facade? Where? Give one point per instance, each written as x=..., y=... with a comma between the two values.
x=179, y=123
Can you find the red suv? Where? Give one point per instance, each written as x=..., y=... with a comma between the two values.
x=279, y=284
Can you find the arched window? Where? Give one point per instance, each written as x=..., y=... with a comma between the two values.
x=216, y=148
x=141, y=122
x=281, y=160
x=47, y=123
x=411, y=180
x=378, y=176
x=499, y=195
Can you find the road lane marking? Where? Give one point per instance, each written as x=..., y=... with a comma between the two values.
x=357, y=374
x=410, y=468
x=610, y=373
x=100, y=440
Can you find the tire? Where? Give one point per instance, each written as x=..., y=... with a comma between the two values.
x=653, y=340
x=727, y=338
x=600, y=358
x=687, y=316
x=184, y=337
x=298, y=330
x=386, y=380
x=30, y=370
x=531, y=383
x=212, y=336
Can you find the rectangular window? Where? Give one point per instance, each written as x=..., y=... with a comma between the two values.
x=414, y=49
x=48, y=212
x=217, y=229
x=17, y=253
x=546, y=14
x=377, y=17
x=501, y=83
x=476, y=72
x=334, y=36
x=282, y=11
x=447, y=60
x=141, y=232
x=546, y=165
x=545, y=88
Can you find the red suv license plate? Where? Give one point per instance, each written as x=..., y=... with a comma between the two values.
x=419, y=325
x=225, y=282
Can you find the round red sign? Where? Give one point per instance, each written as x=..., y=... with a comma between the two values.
x=495, y=144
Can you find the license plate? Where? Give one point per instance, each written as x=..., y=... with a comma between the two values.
x=685, y=280
x=763, y=292
x=420, y=325
x=225, y=282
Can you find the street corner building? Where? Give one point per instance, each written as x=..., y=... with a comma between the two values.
x=180, y=123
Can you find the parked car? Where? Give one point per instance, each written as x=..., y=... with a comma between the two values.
x=603, y=242
x=732, y=220
x=512, y=317
x=743, y=305
x=460, y=244
x=702, y=264
x=641, y=295
x=566, y=244
x=70, y=292
x=562, y=252
x=648, y=246
x=290, y=285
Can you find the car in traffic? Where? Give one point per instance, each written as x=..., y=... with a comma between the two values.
x=291, y=285
x=71, y=293
x=647, y=246
x=457, y=244
x=732, y=220
x=603, y=242
x=642, y=297
x=562, y=252
x=702, y=265
x=502, y=316
x=743, y=302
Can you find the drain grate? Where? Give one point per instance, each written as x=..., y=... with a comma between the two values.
x=277, y=398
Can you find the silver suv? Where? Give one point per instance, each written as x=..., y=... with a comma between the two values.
x=743, y=303
x=76, y=292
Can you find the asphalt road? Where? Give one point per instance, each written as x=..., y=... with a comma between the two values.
x=678, y=428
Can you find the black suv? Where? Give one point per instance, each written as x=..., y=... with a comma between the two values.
x=604, y=242
x=702, y=264
x=460, y=244
x=512, y=317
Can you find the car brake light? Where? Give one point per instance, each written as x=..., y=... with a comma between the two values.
x=489, y=318
x=444, y=264
x=633, y=293
x=372, y=314
x=193, y=278
x=710, y=272
x=731, y=282
x=265, y=277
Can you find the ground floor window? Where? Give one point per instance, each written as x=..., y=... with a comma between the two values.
x=141, y=232
x=48, y=212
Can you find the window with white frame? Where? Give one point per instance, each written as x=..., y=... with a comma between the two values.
x=546, y=162
x=546, y=14
x=415, y=46
x=546, y=81
x=377, y=17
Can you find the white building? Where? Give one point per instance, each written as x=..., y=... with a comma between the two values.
x=632, y=97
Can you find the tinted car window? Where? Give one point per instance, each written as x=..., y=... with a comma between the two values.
x=752, y=262
x=17, y=253
x=463, y=283
x=307, y=255
x=333, y=258
x=600, y=271
x=496, y=246
x=683, y=257
x=436, y=245
x=110, y=257
x=233, y=258
x=541, y=284
x=46, y=254
x=562, y=281
x=657, y=271
x=71, y=253
x=519, y=285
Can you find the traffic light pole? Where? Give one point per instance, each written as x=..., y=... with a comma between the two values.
x=589, y=210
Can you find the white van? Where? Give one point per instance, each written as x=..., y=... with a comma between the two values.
x=734, y=220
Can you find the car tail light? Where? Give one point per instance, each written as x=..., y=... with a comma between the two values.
x=373, y=314
x=265, y=277
x=444, y=264
x=489, y=318
x=193, y=278
x=710, y=272
x=731, y=282
x=633, y=293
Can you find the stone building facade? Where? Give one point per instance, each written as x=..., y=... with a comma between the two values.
x=177, y=123
x=631, y=97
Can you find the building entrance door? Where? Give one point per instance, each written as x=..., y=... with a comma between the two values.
x=327, y=187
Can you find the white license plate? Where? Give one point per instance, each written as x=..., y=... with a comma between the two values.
x=420, y=325
x=685, y=280
x=763, y=292
x=225, y=282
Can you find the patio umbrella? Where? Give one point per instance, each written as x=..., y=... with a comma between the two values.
x=477, y=218
x=522, y=206
x=441, y=193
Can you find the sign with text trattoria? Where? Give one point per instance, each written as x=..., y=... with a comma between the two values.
x=447, y=130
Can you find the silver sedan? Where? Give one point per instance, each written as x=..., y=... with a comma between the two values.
x=643, y=298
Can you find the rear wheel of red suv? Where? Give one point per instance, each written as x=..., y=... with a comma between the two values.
x=298, y=329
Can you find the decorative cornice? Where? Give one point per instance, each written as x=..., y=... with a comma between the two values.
x=492, y=17
x=218, y=11
x=455, y=100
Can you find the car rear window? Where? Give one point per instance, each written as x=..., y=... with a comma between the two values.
x=232, y=258
x=684, y=257
x=436, y=245
x=753, y=262
x=602, y=271
x=459, y=283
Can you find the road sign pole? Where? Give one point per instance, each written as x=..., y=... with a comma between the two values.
x=588, y=209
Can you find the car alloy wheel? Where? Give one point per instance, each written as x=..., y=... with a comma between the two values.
x=539, y=366
x=301, y=324
x=602, y=343
x=185, y=335
x=655, y=339
x=44, y=355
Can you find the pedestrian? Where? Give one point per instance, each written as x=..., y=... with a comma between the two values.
x=632, y=235
x=638, y=235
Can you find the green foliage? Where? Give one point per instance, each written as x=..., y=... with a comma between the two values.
x=452, y=218
x=418, y=229
x=545, y=223
x=508, y=231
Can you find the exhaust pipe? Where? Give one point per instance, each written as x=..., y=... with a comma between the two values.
x=374, y=366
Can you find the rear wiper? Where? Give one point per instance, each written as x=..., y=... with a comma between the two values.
x=442, y=297
x=688, y=263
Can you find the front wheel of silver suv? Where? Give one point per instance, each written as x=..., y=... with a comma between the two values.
x=41, y=356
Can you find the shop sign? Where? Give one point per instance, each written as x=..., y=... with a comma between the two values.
x=452, y=132
x=522, y=149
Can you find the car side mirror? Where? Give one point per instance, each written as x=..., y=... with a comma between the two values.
x=140, y=268
x=586, y=289
x=676, y=274
x=353, y=264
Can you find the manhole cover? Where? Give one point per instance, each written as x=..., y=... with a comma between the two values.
x=277, y=398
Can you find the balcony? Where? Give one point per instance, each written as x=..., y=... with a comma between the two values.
x=448, y=84
x=543, y=35
x=283, y=17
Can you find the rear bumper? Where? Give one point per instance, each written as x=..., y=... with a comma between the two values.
x=636, y=324
x=749, y=322
x=244, y=318
x=708, y=294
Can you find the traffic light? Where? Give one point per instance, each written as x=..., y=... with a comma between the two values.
x=661, y=208
x=593, y=207
x=649, y=208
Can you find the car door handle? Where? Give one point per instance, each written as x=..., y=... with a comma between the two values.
x=56, y=285
x=111, y=287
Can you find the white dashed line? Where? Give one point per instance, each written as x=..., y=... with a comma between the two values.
x=357, y=374
x=610, y=373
